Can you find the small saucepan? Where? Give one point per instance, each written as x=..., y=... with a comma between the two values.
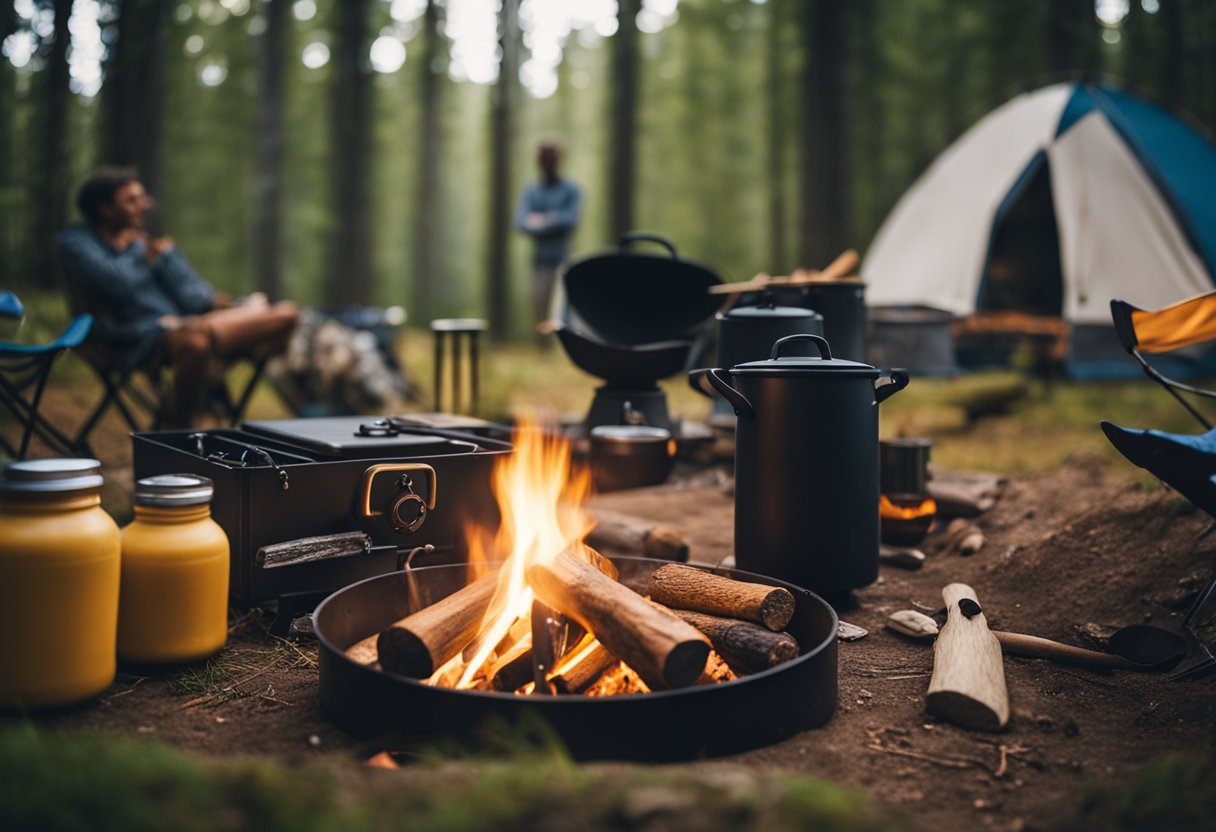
x=630, y=456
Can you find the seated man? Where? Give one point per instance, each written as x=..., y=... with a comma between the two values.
x=158, y=307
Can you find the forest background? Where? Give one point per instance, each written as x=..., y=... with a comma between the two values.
x=371, y=152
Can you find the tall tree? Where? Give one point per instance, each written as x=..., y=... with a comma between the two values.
x=134, y=92
x=428, y=218
x=1071, y=34
x=774, y=71
x=350, y=255
x=268, y=172
x=1172, y=57
x=623, y=152
x=826, y=185
x=501, y=134
x=8, y=105
x=50, y=202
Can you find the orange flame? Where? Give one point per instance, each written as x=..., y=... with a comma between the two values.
x=890, y=511
x=540, y=496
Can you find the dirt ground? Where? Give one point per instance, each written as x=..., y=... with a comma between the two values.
x=1079, y=545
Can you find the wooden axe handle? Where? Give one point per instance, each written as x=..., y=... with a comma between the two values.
x=968, y=682
x=1019, y=644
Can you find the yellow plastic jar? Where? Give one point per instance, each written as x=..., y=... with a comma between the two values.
x=59, y=564
x=174, y=600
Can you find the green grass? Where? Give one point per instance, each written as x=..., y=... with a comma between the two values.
x=1174, y=792
x=97, y=782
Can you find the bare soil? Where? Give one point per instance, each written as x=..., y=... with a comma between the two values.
x=1078, y=545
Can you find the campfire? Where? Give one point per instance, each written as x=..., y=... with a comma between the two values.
x=548, y=615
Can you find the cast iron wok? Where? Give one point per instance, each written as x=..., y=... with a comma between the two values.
x=625, y=367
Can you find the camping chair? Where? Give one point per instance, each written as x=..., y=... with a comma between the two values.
x=139, y=392
x=1184, y=324
x=24, y=370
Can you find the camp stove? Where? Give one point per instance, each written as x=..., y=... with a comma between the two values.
x=373, y=491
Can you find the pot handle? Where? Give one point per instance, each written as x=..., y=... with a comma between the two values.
x=697, y=381
x=825, y=352
x=646, y=237
x=888, y=384
x=743, y=408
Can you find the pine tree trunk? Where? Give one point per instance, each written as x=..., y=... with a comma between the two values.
x=50, y=203
x=827, y=226
x=134, y=91
x=501, y=134
x=350, y=257
x=774, y=71
x=10, y=235
x=268, y=177
x=623, y=154
x=1171, y=60
x=428, y=223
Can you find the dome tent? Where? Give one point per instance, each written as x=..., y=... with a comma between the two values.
x=1102, y=194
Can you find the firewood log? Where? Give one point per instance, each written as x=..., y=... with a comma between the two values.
x=689, y=588
x=581, y=676
x=420, y=643
x=662, y=649
x=744, y=646
x=968, y=682
x=633, y=536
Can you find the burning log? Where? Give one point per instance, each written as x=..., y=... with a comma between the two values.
x=688, y=588
x=662, y=649
x=632, y=536
x=420, y=643
x=513, y=670
x=744, y=646
x=583, y=673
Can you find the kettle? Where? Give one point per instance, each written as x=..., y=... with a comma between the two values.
x=806, y=464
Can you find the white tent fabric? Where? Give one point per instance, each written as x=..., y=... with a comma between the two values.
x=1118, y=238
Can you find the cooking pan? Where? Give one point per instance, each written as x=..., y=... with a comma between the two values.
x=630, y=297
x=625, y=366
x=704, y=720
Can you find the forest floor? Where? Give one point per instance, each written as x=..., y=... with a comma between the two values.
x=1082, y=542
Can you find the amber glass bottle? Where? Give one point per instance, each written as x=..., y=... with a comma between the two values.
x=59, y=564
x=174, y=599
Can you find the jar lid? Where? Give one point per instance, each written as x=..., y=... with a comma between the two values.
x=43, y=476
x=630, y=433
x=790, y=365
x=174, y=491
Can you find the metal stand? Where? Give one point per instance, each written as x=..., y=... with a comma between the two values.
x=462, y=331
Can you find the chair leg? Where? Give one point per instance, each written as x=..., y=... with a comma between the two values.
x=238, y=410
x=27, y=412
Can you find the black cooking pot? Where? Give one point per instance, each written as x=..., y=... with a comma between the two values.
x=747, y=333
x=843, y=306
x=630, y=456
x=806, y=465
x=631, y=298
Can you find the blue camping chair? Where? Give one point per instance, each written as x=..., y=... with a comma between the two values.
x=24, y=370
x=1185, y=462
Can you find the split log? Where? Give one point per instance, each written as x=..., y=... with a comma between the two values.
x=953, y=501
x=744, y=646
x=634, y=536
x=689, y=588
x=662, y=649
x=419, y=644
x=364, y=652
x=514, y=669
x=583, y=675
x=310, y=549
x=968, y=682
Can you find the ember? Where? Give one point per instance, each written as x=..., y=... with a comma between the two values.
x=554, y=618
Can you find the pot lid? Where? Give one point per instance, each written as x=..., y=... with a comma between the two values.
x=630, y=434
x=791, y=365
x=768, y=313
x=51, y=475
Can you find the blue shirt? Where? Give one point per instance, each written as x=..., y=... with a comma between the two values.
x=559, y=201
x=128, y=294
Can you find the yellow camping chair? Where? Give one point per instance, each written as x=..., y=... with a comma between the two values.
x=1183, y=324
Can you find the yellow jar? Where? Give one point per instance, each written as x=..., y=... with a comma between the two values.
x=59, y=564
x=174, y=600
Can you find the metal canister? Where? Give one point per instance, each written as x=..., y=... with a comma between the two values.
x=174, y=600
x=59, y=567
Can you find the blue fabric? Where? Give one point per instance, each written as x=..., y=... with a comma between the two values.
x=77, y=330
x=131, y=294
x=1180, y=160
x=559, y=201
x=1080, y=103
x=1203, y=442
x=10, y=305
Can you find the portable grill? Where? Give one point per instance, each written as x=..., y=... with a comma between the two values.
x=384, y=488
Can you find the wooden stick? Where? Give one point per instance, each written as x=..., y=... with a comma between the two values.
x=968, y=682
x=1019, y=644
x=309, y=549
x=514, y=669
x=689, y=588
x=662, y=649
x=581, y=676
x=418, y=644
x=634, y=536
x=744, y=646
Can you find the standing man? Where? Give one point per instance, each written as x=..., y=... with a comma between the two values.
x=155, y=308
x=548, y=212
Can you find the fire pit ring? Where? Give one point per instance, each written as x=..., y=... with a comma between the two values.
x=700, y=721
